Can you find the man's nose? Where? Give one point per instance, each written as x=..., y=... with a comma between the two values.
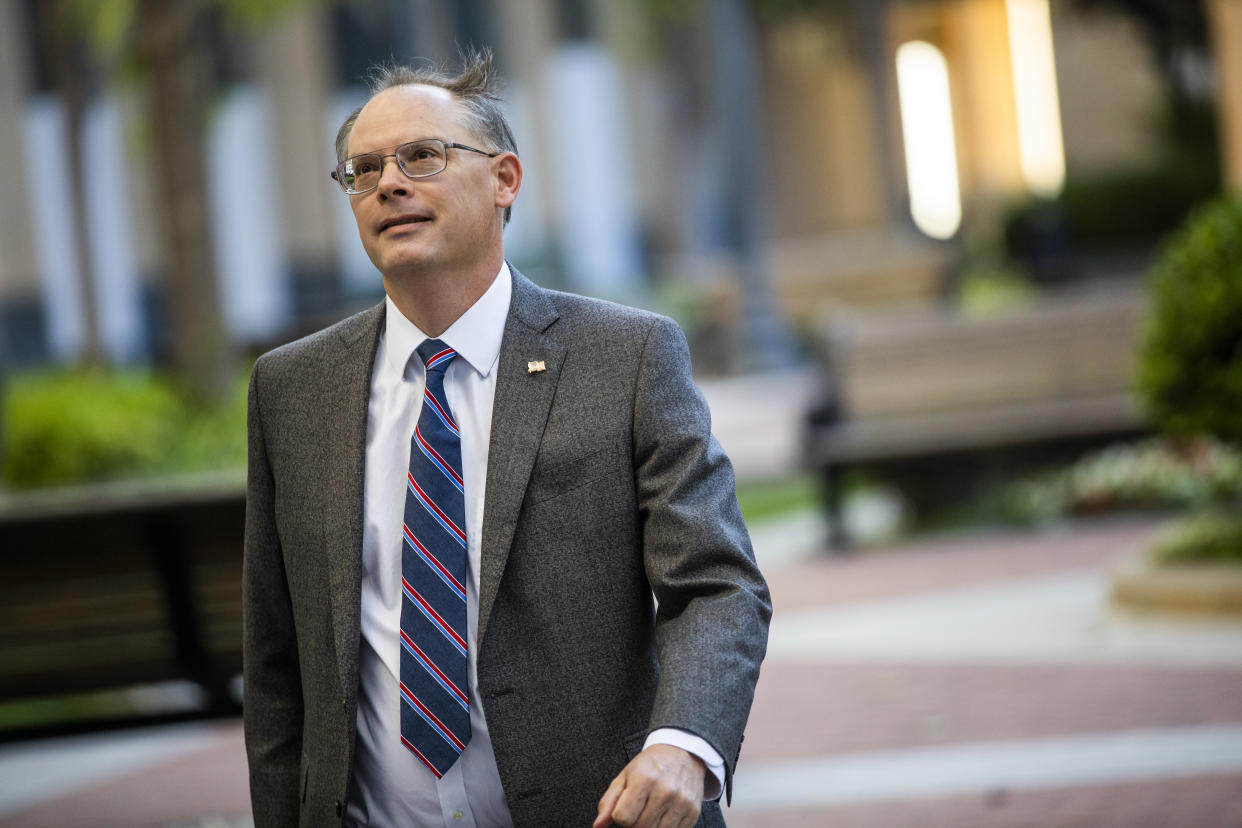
x=392, y=179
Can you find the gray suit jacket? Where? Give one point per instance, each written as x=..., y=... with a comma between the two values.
x=604, y=485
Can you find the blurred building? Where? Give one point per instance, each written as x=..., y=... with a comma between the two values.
x=712, y=161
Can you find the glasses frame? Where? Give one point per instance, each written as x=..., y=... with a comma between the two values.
x=338, y=174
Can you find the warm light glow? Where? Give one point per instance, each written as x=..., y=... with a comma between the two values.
x=927, y=129
x=1035, y=92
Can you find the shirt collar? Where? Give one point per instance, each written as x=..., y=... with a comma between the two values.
x=475, y=336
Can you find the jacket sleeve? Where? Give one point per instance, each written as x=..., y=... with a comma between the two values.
x=272, y=678
x=713, y=604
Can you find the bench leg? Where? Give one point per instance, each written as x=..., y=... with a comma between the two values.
x=168, y=544
x=838, y=535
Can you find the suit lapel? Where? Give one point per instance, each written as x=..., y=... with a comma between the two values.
x=345, y=398
x=519, y=414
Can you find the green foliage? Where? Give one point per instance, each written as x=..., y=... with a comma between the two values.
x=246, y=15
x=761, y=500
x=1153, y=474
x=1133, y=206
x=1190, y=372
x=1209, y=538
x=31, y=712
x=85, y=426
x=987, y=288
x=1120, y=207
x=109, y=28
x=672, y=12
x=106, y=26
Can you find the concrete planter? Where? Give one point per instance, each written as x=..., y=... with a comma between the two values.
x=1202, y=590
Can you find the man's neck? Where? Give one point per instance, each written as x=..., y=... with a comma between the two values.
x=434, y=301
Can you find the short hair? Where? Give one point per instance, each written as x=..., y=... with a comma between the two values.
x=475, y=86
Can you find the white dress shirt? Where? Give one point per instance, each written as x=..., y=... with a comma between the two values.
x=391, y=787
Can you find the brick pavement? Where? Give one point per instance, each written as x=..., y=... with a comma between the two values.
x=1199, y=802
x=834, y=706
x=953, y=560
x=830, y=706
x=858, y=707
x=204, y=786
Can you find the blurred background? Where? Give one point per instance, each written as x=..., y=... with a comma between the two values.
x=962, y=281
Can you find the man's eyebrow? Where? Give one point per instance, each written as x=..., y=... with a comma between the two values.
x=402, y=144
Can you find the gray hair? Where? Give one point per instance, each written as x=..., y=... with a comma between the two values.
x=476, y=87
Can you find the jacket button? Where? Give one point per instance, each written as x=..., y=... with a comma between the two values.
x=340, y=809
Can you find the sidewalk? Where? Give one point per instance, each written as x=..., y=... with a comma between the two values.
x=986, y=681
x=963, y=681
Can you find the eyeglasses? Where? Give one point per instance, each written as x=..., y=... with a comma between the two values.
x=417, y=159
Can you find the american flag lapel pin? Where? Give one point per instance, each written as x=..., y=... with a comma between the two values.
x=534, y=367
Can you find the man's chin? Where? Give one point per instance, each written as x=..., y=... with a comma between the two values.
x=404, y=261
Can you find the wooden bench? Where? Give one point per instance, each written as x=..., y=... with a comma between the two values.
x=119, y=585
x=931, y=382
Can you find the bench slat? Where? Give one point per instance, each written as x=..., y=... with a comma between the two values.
x=930, y=433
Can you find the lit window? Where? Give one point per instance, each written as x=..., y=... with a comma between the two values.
x=927, y=130
x=1035, y=94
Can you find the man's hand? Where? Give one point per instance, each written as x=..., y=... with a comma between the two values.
x=661, y=788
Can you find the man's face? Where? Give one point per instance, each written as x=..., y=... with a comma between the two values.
x=448, y=220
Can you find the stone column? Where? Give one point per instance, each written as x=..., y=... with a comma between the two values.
x=985, y=112
x=530, y=37
x=293, y=60
x=1225, y=19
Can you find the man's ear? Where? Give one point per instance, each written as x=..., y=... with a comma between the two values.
x=507, y=176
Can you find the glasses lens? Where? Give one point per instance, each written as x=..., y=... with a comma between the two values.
x=360, y=173
x=421, y=158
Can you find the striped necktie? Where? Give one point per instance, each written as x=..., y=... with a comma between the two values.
x=435, y=705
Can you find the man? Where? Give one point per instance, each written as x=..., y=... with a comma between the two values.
x=460, y=504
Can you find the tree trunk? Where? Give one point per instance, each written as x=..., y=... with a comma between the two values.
x=173, y=39
x=739, y=110
x=64, y=49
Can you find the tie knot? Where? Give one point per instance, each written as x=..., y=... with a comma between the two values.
x=435, y=355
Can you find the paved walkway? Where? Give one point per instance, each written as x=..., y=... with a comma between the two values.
x=963, y=681
x=987, y=681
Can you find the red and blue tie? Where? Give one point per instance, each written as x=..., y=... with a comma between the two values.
x=435, y=708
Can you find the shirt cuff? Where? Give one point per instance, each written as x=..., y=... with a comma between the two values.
x=713, y=782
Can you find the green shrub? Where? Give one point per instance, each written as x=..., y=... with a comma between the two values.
x=987, y=289
x=1135, y=205
x=1114, y=209
x=84, y=426
x=1209, y=538
x=1157, y=473
x=1190, y=371
x=1132, y=207
x=765, y=499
